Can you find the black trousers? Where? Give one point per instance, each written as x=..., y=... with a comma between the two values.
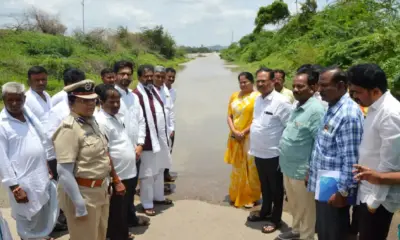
x=373, y=226
x=118, y=228
x=166, y=171
x=132, y=219
x=332, y=223
x=271, y=180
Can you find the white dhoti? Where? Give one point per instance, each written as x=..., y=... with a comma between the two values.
x=151, y=173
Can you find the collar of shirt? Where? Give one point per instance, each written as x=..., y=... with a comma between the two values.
x=333, y=109
x=109, y=116
x=122, y=91
x=5, y=115
x=270, y=96
x=307, y=104
x=37, y=94
x=378, y=103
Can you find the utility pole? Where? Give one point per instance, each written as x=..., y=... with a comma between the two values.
x=83, y=16
x=232, y=37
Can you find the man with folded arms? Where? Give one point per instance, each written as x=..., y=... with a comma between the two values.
x=379, y=149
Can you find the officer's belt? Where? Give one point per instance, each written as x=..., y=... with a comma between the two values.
x=90, y=183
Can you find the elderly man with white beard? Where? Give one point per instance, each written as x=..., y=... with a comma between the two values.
x=23, y=162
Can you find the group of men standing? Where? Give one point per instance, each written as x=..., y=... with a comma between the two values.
x=139, y=126
x=295, y=141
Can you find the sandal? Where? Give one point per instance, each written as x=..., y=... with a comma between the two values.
x=150, y=212
x=131, y=236
x=165, y=202
x=270, y=227
x=255, y=217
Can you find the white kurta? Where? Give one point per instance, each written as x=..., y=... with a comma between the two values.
x=40, y=109
x=61, y=96
x=168, y=107
x=153, y=163
x=56, y=116
x=38, y=106
x=23, y=162
x=132, y=115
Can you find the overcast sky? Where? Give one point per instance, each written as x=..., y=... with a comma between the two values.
x=190, y=22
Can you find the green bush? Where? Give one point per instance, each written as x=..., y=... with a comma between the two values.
x=58, y=47
x=343, y=33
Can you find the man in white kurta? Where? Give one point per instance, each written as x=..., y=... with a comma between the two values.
x=166, y=97
x=23, y=158
x=131, y=115
x=38, y=100
x=156, y=154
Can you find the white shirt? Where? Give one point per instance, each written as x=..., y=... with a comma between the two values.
x=23, y=162
x=39, y=107
x=269, y=120
x=131, y=114
x=61, y=96
x=56, y=115
x=40, y=110
x=380, y=150
x=172, y=91
x=168, y=107
x=121, y=148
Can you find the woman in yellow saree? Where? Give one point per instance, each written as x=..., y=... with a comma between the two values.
x=245, y=187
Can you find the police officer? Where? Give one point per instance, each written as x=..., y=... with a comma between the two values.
x=84, y=166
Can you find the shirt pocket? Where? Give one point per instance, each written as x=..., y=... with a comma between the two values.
x=267, y=119
x=298, y=131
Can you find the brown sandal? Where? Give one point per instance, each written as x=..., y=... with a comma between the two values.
x=150, y=212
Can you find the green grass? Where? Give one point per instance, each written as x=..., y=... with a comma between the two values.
x=21, y=50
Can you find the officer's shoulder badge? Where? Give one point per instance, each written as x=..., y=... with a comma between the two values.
x=68, y=122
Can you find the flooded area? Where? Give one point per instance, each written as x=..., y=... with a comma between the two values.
x=203, y=90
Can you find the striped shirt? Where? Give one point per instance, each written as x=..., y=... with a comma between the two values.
x=336, y=145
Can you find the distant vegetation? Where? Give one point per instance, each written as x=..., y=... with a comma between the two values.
x=343, y=33
x=203, y=49
x=37, y=38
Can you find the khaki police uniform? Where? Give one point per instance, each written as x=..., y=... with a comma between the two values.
x=80, y=141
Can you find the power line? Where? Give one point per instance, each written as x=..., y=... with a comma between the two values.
x=83, y=16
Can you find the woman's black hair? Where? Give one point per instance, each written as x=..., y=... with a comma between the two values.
x=102, y=89
x=248, y=76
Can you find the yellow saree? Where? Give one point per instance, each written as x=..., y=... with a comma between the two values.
x=245, y=185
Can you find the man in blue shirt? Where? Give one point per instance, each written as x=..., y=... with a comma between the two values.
x=336, y=149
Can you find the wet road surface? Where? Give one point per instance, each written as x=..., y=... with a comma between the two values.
x=203, y=90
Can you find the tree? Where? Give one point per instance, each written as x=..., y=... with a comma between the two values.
x=159, y=41
x=37, y=20
x=271, y=14
x=46, y=23
x=309, y=6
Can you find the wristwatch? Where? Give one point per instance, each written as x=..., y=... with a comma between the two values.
x=344, y=193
